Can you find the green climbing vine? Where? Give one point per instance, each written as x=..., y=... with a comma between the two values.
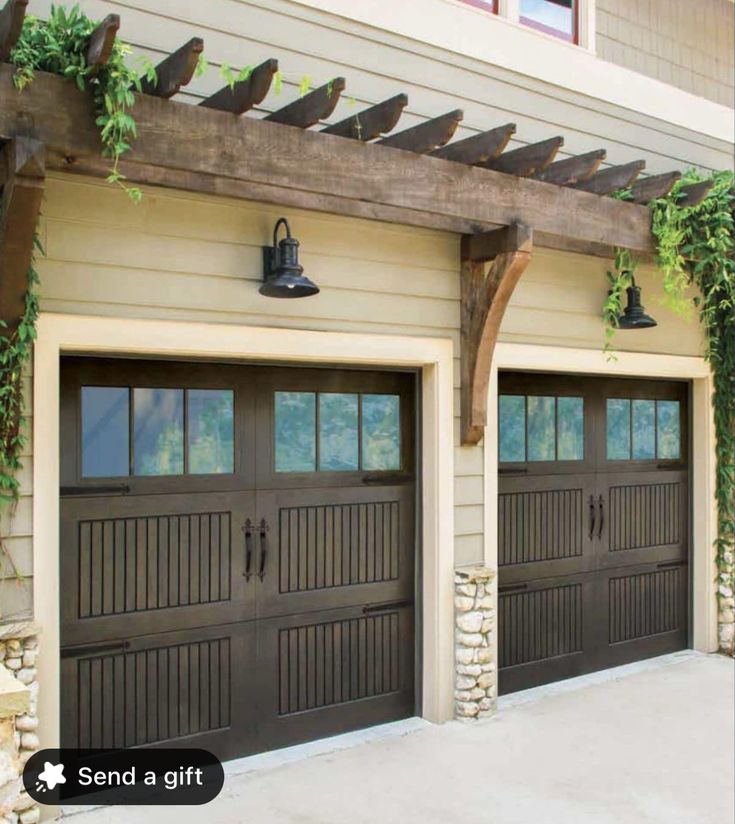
x=59, y=45
x=696, y=248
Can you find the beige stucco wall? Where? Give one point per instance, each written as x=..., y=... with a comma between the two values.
x=690, y=45
x=180, y=257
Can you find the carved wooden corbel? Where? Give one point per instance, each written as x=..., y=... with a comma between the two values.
x=22, y=176
x=484, y=298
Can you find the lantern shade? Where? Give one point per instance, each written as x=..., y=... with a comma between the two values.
x=634, y=315
x=283, y=276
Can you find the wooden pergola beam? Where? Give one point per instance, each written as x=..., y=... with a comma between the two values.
x=203, y=150
x=427, y=135
x=694, y=193
x=572, y=169
x=372, y=122
x=176, y=70
x=246, y=93
x=613, y=178
x=102, y=40
x=479, y=148
x=312, y=107
x=11, y=24
x=649, y=188
x=23, y=161
x=529, y=159
x=485, y=296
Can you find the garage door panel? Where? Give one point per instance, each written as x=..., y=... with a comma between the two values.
x=160, y=689
x=338, y=670
x=544, y=527
x=131, y=564
x=335, y=548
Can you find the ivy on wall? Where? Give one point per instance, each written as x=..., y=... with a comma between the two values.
x=696, y=247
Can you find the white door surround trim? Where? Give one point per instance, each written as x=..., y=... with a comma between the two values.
x=516, y=356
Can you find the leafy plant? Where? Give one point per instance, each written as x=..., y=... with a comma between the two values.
x=696, y=247
x=15, y=353
x=59, y=46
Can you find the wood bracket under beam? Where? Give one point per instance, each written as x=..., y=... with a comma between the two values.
x=485, y=296
x=23, y=162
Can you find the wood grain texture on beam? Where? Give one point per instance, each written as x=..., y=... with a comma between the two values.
x=572, y=169
x=372, y=122
x=484, y=298
x=479, y=148
x=102, y=40
x=613, y=178
x=11, y=24
x=694, y=193
x=649, y=188
x=24, y=161
x=312, y=107
x=176, y=70
x=427, y=135
x=246, y=93
x=528, y=159
x=194, y=149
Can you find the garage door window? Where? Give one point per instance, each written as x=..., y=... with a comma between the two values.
x=174, y=431
x=642, y=430
x=541, y=428
x=337, y=432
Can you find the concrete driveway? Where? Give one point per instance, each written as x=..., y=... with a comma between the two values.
x=647, y=743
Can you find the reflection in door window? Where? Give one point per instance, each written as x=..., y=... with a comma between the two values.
x=643, y=429
x=338, y=441
x=295, y=431
x=570, y=424
x=210, y=431
x=105, y=432
x=512, y=428
x=541, y=428
x=668, y=426
x=381, y=432
x=158, y=431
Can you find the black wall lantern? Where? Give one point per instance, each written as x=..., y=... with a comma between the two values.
x=283, y=277
x=634, y=315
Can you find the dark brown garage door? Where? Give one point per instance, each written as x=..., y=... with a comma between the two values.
x=237, y=553
x=593, y=526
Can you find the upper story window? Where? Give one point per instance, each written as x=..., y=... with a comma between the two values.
x=556, y=17
x=488, y=5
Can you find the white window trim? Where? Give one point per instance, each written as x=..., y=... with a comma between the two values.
x=458, y=27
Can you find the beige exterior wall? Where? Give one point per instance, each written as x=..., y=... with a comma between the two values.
x=180, y=257
x=689, y=45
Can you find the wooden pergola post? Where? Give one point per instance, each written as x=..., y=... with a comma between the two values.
x=484, y=299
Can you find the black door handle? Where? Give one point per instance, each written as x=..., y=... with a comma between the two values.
x=247, y=530
x=592, y=516
x=263, y=529
x=602, y=517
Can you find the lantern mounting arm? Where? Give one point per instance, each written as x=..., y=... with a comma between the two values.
x=280, y=222
x=484, y=298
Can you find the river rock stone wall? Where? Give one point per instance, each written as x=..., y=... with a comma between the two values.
x=474, y=611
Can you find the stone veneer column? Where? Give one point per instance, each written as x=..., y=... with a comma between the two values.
x=474, y=612
x=18, y=720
